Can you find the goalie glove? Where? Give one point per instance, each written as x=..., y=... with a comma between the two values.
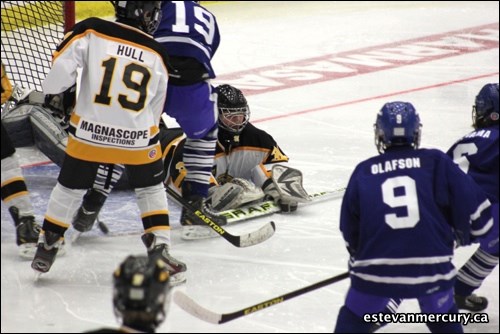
x=271, y=191
x=62, y=104
x=285, y=187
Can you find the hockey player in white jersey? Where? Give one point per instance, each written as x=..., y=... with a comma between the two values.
x=122, y=92
x=14, y=190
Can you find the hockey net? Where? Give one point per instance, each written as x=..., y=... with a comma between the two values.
x=31, y=31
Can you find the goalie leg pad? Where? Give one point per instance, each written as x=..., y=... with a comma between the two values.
x=50, y=137
x=224, y=197
x=233, y=194
x=251, y=192
x=17, y=123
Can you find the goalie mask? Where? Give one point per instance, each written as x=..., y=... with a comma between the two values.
x=234, y=112
x=485, y=109
x=141, y=292
x=145, y=15
x=397, y=124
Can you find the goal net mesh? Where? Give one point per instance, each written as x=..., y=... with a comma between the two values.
x=31, y=31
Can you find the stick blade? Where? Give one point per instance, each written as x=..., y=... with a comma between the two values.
x=256, y=237
x=196, y=310
x=103, y=227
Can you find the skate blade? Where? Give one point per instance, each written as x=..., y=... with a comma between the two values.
x=177, y=279
x=37, y=275
x=103, y=227
x=62, y=250
x=27, y=251
x=75, y=236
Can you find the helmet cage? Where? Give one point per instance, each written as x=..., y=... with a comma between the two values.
x=145, y=14
x=234, y=112
x=229, y=120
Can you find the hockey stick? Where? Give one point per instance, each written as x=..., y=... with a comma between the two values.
x=200, y=312
x=245, y=240
x=100, y=225
x=261, y=209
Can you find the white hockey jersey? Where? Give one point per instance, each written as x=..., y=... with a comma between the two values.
x=122, y=91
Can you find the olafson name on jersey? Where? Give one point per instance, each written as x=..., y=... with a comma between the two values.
x=130, y=52
x=394, y=164
x=106, y=134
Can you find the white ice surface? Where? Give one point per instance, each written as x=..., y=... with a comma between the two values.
x=331, y=135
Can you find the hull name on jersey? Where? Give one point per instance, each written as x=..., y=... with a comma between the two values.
x=395, y=164
x=126, y=51
x=112, y=135
x=479, y=133
x=129, y=52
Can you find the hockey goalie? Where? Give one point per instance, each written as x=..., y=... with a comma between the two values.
x=249, y=166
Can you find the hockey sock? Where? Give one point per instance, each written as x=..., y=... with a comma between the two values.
x=198, y=157
x=14, y=189
x=152, y=202
x=474, y=271
x=446, y=327
x=348, y=322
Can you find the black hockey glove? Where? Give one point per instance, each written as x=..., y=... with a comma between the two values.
x=288, y=206
x=62, y=104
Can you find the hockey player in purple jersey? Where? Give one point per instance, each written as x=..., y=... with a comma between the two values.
x=401, y=215
x=190, y=35
x=477, y=155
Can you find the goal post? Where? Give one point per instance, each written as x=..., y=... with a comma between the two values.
x=31, y=31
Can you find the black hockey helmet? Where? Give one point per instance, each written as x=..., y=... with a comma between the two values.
x=234, y=112
x=145, y=15
x=485, y=110
x=141, y=292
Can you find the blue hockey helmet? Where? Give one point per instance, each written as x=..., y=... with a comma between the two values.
x=140, y=292
x=397, y=124
x=485, y=109
x=145, y=15
x=234, y=112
